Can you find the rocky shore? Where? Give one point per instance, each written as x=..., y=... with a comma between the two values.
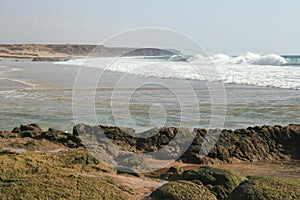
x=35, y=163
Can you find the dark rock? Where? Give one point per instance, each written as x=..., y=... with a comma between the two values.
x=16, y=130
x=30, y=130
x=54, y=135
x=58, y=136
x=119, y=136
x=31, y=127
x=50, y=59
x=241, y=145
x=251, y=144
x=174, y=173
x=82, y=129
x=149, y=144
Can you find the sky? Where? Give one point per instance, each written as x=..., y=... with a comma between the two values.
x=230, y=27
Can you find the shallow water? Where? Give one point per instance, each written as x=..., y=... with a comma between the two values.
x=49, y=101
x=9, y=85
x=22, y=150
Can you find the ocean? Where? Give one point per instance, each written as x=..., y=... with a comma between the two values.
x=144, y=92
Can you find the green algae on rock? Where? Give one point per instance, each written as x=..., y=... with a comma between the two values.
x=63, y=175
x=220, y=182
x=178, y=190
x=267, y=188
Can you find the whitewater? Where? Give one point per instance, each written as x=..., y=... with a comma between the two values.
x=249, y=69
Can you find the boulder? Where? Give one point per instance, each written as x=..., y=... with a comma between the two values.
x=178, y=190
x=54, y=135
x=174, y=172
x=220, y=182
x=58, y=136
x=267, y=188
x=30, y=130
x=251, y=144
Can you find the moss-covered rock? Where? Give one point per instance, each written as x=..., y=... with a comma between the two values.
x=180, y=190
x=63, y=175
x=267, y=188
x=220, y=182
x=53, y=135
x=173, y=173
x=251, y=144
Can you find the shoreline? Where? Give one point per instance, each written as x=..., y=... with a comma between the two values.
x=231, y=146
x=11, y=84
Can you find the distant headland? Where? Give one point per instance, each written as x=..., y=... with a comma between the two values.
x=57, y=52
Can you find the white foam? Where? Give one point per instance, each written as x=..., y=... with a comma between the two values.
x=8, y=69
x=249, y=69
x=25, y=83
x=250, y=58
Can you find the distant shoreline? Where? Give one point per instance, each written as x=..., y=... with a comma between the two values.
x=62, y=52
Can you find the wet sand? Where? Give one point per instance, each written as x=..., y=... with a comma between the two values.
x=268, y=168
x=283, y=168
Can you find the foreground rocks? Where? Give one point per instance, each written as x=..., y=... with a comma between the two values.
x=38, y=174
x=35, y=132
x=214, y=183
x=258, y=143
x=66, y=175
x=242, y=145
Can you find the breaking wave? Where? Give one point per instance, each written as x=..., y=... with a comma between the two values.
x=249, y=69
x=251, y=58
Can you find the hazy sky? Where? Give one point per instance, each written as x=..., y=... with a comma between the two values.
x=231, y=26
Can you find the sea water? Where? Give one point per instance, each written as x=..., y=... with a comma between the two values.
x=152, y=92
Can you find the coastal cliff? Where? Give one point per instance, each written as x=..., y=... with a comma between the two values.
x=54, y=52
